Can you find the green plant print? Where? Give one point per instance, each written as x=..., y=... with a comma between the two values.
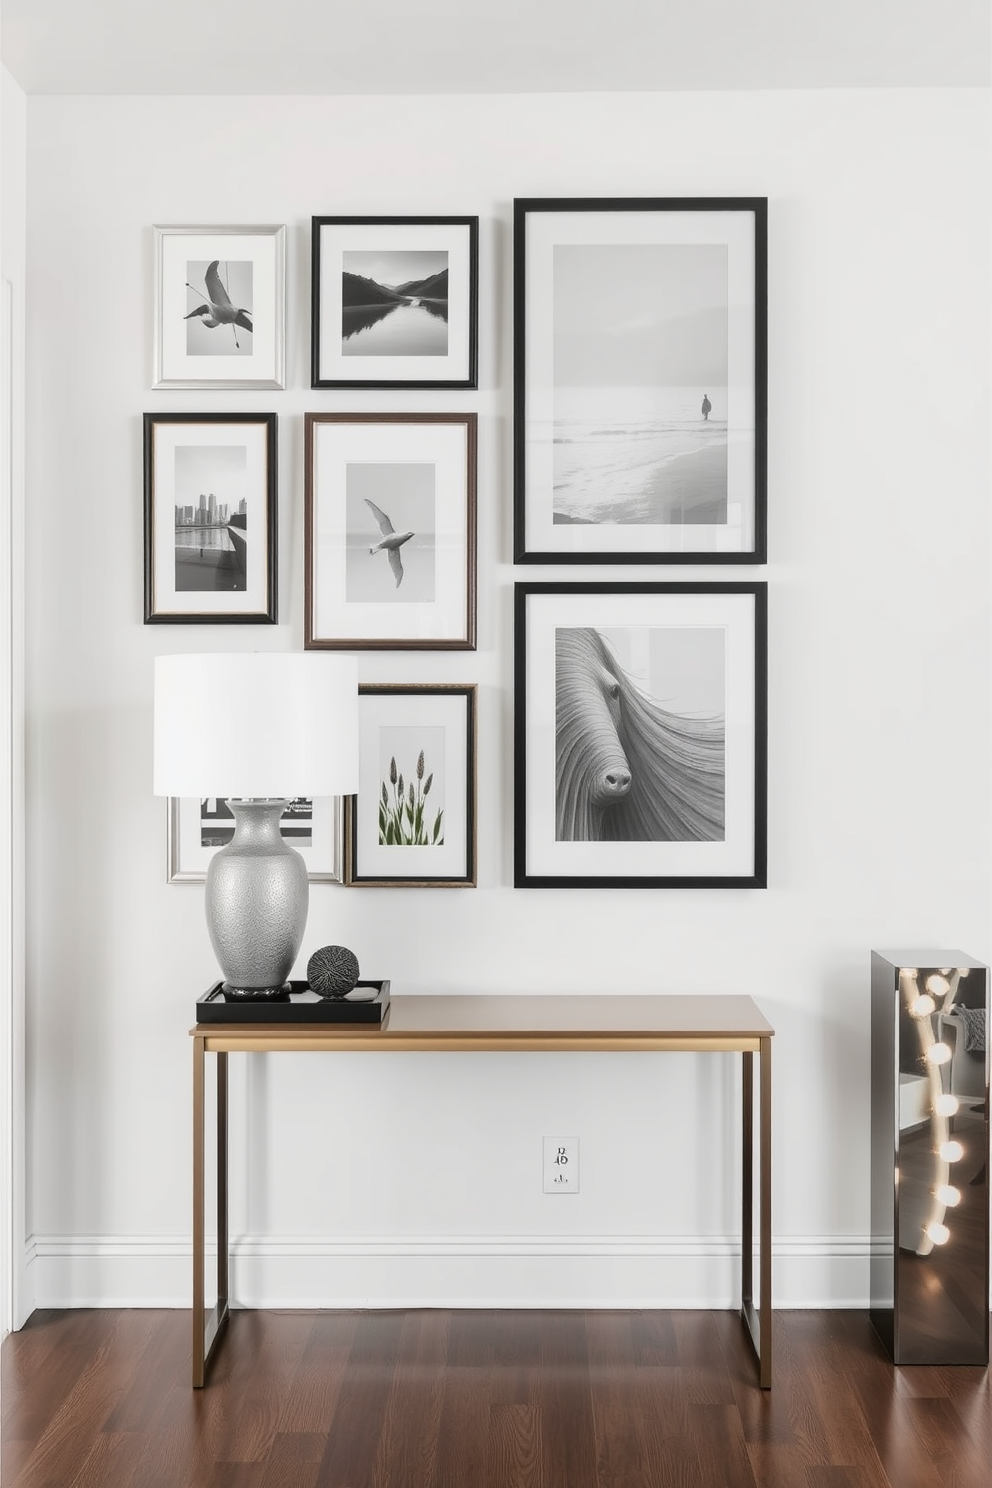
x=404, y=816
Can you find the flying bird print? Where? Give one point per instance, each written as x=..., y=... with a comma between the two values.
x=219, y=310
x=391, y=541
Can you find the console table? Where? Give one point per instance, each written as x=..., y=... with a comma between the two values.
x=514, y=1025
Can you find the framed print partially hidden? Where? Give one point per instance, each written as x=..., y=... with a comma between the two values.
x=210, y=518
x=220, y=307
x=640, y=735
x=412, y=823
x=198, y=828
x=640, y=380
x=395, y=302
x=390, y=531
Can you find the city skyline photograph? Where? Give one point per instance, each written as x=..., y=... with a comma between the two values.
x=211, y=482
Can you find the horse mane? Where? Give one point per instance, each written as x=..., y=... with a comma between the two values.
x=677, y=767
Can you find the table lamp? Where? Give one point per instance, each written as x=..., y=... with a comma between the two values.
x=258, y=728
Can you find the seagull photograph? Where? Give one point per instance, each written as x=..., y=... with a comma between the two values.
x=391, y=542
x=222, y=308
x=391, y=532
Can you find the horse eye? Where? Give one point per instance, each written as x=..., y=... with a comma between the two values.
x=615, y=690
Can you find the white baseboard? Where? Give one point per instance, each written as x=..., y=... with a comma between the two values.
x=447, y=1271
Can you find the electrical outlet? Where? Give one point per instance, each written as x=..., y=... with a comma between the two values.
x=561, y=1165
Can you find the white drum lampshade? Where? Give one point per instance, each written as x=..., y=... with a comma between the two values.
x=257, y=728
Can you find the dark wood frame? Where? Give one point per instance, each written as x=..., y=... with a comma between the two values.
x=472, y=379
x=401, y=643
x=469, y=690
x=756, y=205
x=270, y=614
x=522, y=879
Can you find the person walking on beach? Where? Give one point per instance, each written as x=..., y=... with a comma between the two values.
x=707, y=405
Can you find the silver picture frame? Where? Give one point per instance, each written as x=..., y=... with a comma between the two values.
x=187, y=861
x=221, y=358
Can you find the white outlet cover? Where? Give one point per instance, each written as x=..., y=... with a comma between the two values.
x=561, y=1165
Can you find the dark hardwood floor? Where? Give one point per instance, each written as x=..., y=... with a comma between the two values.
x=432, y=1399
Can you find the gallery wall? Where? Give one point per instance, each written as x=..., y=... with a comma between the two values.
x=417, y=1178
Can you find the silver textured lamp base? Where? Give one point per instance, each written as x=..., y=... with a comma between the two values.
x=257, y=899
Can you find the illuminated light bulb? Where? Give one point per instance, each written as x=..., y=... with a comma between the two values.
x=948, y=1195
x=939, y=1053
x=946, y=1105
x=951, y=1151
x=922, y=1007
x=938, y=984
x=938, y=1233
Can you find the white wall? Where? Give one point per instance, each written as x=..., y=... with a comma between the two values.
x=13, y=210
x=418, y=1178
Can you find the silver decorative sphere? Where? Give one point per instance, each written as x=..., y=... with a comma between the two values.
x=332, y=971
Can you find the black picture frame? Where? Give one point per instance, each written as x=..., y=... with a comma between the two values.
x=411, y=709
x=717, y=823
x=421, y=363
x=233, y=585
x=567, y=465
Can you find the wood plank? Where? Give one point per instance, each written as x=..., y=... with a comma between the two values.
x=568, y=1443
x=81, y=1416
x=354, y=1430
x=294, y=1460
x=701, y=1360
x=514, y=1450
x=311, y=1399
x=720, y=1446
x=481, y=1399
x=407, y=1452
x=463, y=1432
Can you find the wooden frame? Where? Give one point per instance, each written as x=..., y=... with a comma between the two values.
x=412, y=822
x=395, y=302
x=220, y=307
x=640, y=373
x=212, y=477
x=390, y=531
x=640, y=736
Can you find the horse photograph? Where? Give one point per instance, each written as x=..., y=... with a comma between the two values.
x=640, y=759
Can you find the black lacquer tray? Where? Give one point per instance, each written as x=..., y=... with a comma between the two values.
x=301, y=1005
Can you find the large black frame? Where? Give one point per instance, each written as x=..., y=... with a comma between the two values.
x=471, y=380
x=757, y=878
x=266, y=616
x=758, y=207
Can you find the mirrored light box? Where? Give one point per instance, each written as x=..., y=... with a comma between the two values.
x=929, y=1156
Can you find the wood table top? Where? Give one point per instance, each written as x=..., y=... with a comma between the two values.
x=540, y=1022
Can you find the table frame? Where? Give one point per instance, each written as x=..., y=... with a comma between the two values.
x=513, y=1025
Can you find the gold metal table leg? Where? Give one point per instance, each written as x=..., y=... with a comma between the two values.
x=207, y=1330
x=765, y=1214
x=758, y=1321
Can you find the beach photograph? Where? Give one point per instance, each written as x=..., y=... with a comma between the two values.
x=219, y=307
x=394, y=303
x=211, y=518
x=640, y=371
x=391, y=526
